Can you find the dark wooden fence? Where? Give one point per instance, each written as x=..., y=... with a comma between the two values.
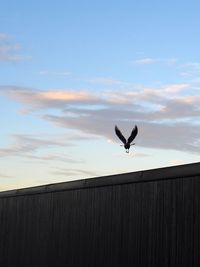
x=149, y=218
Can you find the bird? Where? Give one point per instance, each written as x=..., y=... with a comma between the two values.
x=127, y=143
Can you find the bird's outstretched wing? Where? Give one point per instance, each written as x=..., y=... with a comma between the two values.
x=120, y=135
x=133, y=134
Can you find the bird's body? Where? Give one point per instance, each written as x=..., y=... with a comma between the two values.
x=127, y=143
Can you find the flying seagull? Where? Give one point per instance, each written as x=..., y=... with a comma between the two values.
x=127, y=143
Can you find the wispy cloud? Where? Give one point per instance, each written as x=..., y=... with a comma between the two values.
x=167, y=116
x=74, y=172
x=195, y=80
x=176, y=88
x=54, y=73
x=4, y=176
x=132, y=155
x=28, y=146
x=190, y=70
x=177, y=162
x=192, y=66
x=3, y=36
x=54, y=157
x=9, y=50
x=150, y=60
x=37, y=99
x=105, y=80
x=144, y=61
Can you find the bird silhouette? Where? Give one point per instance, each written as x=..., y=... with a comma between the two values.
x=127, y=143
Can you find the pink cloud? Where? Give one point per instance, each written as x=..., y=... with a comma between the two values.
x=65, y=96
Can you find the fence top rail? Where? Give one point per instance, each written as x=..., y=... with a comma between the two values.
x=174, y=172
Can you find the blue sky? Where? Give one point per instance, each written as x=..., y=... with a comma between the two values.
x=71, y=70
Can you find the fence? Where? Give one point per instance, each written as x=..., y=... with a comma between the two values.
x=147, y=218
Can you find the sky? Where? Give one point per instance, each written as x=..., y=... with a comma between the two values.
x=72, y=70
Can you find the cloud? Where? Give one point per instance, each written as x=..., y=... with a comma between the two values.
x=105, y=80
x=65, y=96
x=52, y=157
x=177, y=162
x=149, y=60
x=190, y=70
x=55, y=73
x=28, y=146
x=192, y=66
x=4, y=176
x=151, y=134
x=170, y=61
x=9, y=50
x=195, y=80
x=144, y=61
x=3, y=36
x=132, y=155
x=167, y=117
x=74, y=172
x=36, y=99
x=175, y=88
